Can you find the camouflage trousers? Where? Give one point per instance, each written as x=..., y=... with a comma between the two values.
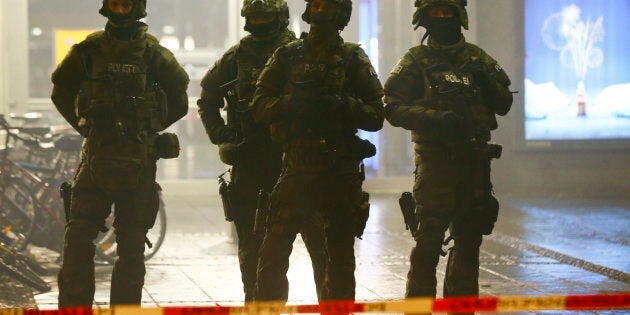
x=248, y=178
x=315, y=204
x=446, y=189
x=135, y=213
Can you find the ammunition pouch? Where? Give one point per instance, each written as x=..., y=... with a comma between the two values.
x=262, y=213
x=65, y=191
x=361, y=215
x=488, y=213
x=167, y=146
x=99, y=107
x=226, y=192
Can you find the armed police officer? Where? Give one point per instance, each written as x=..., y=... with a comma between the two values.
x=448, y=93
x=315, y=93
x=244, y=144
x=119, y=88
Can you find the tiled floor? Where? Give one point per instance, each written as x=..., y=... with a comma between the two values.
x=540, y=247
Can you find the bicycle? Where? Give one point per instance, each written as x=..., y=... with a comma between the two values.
x=24, y=169
x=48, y=216
x=18, y=267
x=16, y=198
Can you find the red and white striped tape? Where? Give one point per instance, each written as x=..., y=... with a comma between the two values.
x=617, y=301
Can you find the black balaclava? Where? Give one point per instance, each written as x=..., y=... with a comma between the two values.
x=266, y=29
x=122, y=20
x=446, y=31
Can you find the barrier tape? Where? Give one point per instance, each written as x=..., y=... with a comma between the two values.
x=413, y=305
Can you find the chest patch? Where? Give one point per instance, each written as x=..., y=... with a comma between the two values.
x=121, y=68
x=310, y=68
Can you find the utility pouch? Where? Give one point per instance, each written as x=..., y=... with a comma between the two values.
x=494, y=151
x=65, y=191
x=167, y=146
x=262, y=213
x=361, y=215
x=408, y=207
x=225, y=191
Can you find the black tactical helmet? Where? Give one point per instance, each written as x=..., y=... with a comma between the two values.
x=420, y=16
x=342, y=18
x=278, y=7
x=139, y=9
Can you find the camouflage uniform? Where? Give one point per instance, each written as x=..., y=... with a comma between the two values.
x=315, y=94
x=243, y=144
x=119, y=94
x=448, y=95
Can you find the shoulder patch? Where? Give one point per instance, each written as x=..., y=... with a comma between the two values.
x=398, y=68
x=498, y=68
x=372, y=72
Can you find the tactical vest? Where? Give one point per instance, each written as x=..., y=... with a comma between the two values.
x=119, y=93
x=122, y=108
x=450, y=86
x=309, y=80
x=250, y=61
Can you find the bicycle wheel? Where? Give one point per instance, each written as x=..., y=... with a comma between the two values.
x=18, y=213
x=49, y=227
x=106, y=242
x=13, y=265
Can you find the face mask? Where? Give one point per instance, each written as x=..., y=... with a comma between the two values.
x=121, y=20
x=264, y=29
x=446, y=31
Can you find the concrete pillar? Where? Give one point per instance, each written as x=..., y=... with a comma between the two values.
x=473, y=31
x=235, y=24
x=15, y=32
x=4, y=62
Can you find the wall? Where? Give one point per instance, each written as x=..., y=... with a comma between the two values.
x=3, y=57
x=15, y=41
x=586, y=172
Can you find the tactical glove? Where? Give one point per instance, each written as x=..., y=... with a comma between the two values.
x=332, y=104
x=229, y=135
x=448, y=124
x=295, y=106
x=229, y=153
